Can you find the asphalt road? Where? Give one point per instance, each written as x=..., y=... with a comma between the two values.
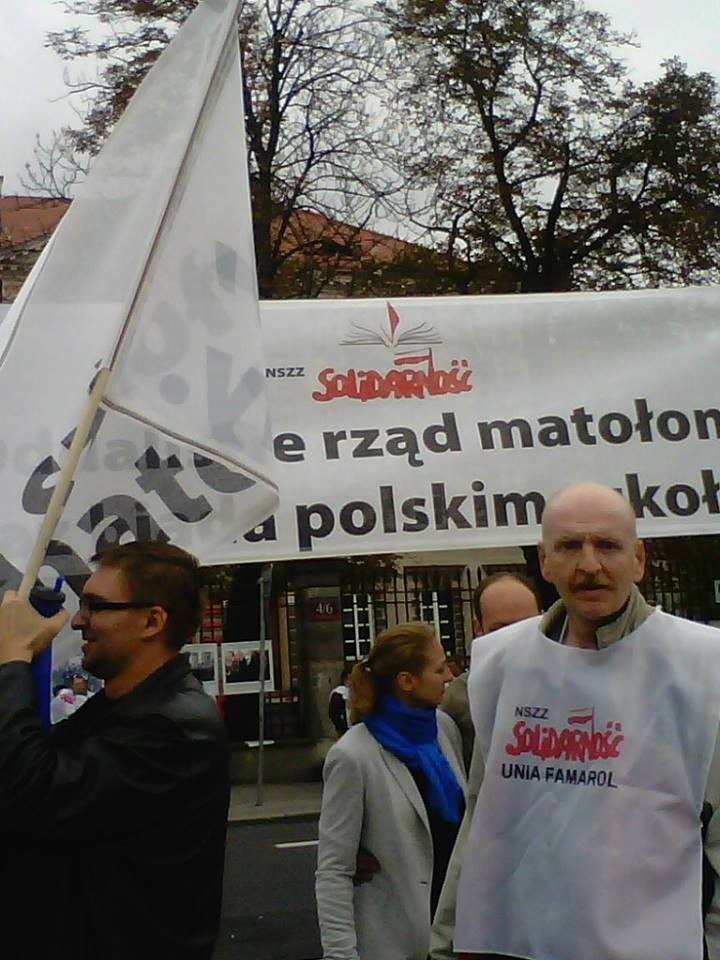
x=269, y=900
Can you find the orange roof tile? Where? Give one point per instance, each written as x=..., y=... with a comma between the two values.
x=26, y=218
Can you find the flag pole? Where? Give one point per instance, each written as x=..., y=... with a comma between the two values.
x=64, y=482
x=264, y=584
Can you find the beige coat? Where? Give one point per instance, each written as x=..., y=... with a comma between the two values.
x=455, y=704
x=371, y=800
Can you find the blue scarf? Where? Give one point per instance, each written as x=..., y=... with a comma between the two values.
x=410, y=733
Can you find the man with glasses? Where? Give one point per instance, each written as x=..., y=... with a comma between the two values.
x=139, y=773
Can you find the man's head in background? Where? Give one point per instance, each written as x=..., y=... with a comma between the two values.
x=456, y=665
x=502, y=599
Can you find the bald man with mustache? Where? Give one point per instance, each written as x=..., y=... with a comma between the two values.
x=595, y=780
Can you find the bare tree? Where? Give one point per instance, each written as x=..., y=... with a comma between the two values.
x=312, y=71
x=308, y=70
x=56, y=168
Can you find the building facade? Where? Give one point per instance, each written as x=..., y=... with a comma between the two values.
x=26, y=224
x=323, y=615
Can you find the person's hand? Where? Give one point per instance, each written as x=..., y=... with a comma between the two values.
x=24, y=632
x=366, y=866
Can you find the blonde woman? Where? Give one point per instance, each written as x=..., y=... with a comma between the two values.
x=394, y=787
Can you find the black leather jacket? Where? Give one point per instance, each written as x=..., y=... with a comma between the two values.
x=112, y=828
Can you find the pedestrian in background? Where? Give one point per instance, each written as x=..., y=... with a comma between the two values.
x=498, y=601
x=339, y=704
x=394, y=787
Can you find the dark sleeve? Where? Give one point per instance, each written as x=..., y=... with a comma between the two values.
x=709, y=877
x=89, y=780
x=336, y=712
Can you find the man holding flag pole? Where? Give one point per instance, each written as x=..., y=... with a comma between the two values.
x=140, y=772
x=585, y=827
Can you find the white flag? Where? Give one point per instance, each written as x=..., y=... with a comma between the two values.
x=152, y=273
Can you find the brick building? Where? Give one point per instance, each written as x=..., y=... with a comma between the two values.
x=26, y=224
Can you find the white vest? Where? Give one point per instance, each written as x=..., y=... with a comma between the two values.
x=585, y=842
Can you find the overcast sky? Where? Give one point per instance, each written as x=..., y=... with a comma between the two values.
x=32, y=89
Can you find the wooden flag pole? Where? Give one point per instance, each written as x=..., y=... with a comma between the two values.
x=62, y=487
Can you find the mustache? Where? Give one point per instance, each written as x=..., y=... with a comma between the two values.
x=589, y=583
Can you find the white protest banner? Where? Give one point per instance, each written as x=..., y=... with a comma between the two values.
x=151, y=274
x=446, y=423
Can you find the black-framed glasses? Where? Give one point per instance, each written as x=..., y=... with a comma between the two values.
x=92, y=605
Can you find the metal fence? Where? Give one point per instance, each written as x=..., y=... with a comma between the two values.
x=441, y=596
x=681, y=578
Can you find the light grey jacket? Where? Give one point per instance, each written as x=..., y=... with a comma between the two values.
x=371, y=800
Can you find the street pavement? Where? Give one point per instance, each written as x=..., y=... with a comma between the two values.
x=269, y=900
x=279, y=801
